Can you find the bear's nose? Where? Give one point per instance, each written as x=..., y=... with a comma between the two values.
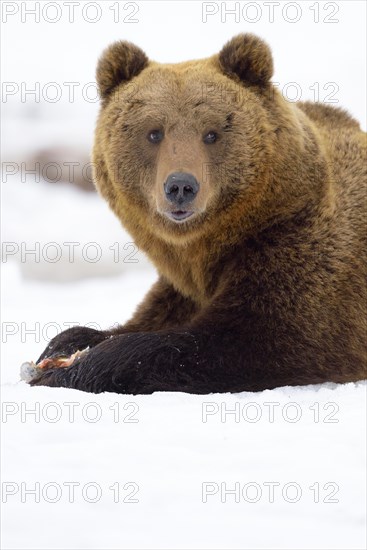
x=181, y=188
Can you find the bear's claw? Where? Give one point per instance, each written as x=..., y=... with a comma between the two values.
x=29, y=370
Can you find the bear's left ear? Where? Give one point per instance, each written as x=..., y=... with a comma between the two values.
x=247, y=57
x=119, y=63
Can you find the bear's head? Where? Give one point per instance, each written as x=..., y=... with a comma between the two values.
x=184, y=150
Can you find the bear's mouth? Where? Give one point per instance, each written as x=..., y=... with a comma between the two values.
x=180, y=215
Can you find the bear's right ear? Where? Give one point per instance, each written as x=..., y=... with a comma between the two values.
x=247, y=57
x=119, y=63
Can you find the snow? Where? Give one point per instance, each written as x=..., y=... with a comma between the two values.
x=175, y=454
x=169, y=454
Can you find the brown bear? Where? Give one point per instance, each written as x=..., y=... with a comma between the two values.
x=251, y=207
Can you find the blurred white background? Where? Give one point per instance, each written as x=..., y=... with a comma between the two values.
x=49, y=107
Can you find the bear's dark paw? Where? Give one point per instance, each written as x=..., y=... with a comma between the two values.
x=31, y=372
x=52, y=377
x=72, y=340
x=65, y=350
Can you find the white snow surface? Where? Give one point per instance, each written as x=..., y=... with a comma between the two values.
x=174, y=457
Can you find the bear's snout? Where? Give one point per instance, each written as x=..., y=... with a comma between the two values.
x=181, y=188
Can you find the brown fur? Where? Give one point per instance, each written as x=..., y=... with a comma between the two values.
x=270, y=270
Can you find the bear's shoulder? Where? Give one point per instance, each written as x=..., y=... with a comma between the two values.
x=328, y=116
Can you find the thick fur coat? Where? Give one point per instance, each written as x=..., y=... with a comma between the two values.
x=263, y=284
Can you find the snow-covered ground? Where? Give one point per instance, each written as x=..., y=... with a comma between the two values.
x=278, y=469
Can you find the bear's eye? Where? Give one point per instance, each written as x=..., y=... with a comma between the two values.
x=155, y=136
x=210, y=137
